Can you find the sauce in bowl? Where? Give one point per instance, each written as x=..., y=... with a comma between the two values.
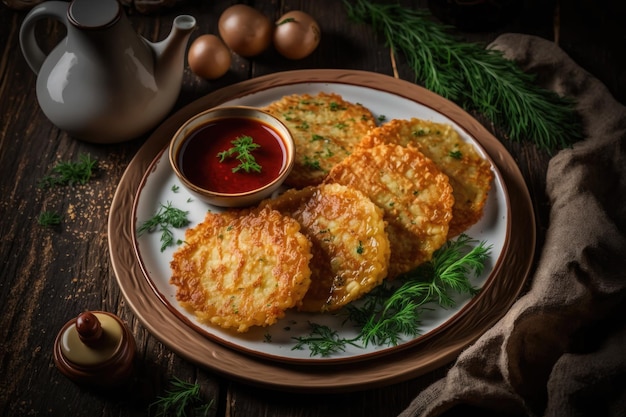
x=200, y=163
x=232, y=156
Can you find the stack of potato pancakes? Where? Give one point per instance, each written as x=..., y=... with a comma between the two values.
x=366, y=203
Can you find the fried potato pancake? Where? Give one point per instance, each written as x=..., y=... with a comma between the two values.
x=415, y=195
x=350, y=246
x=325, y=129
x=470, y=175
x=243, y=268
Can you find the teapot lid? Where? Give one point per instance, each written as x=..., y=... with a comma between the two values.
x=94, y=14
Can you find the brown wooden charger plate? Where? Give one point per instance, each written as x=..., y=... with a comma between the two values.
x=428, y=353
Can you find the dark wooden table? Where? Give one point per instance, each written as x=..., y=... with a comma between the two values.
x=49, y=275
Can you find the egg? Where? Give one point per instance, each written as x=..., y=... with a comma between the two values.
x=245, y=30
x=209, y=57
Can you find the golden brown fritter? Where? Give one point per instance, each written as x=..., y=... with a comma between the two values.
x=325, y=129
x=242, y=268
x=350, y=246
x=414, y=194
x=470, y=175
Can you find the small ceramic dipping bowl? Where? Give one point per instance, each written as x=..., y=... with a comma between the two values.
x=232, y=156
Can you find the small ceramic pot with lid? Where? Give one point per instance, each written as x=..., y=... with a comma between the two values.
x=95, y=349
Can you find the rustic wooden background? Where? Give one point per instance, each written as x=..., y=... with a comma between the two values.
x=49, y=275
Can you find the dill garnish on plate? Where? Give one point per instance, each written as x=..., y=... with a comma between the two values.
x=166, y=217
x=393, y=311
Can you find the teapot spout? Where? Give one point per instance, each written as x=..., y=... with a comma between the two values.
x=170, y=52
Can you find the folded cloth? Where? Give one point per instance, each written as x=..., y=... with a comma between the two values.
x=561, y=349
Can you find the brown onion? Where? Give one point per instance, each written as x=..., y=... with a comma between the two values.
x=208, y=57
x=296, y=35
x=245, y=30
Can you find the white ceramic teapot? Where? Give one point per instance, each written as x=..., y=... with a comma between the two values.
x=104, y=83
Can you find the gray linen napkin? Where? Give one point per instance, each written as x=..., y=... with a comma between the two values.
x=561, y=348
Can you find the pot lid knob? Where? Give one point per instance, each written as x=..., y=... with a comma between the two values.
x=89, y=328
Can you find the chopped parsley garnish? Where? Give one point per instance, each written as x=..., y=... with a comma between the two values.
x=359, y=248
x=456, y=154
x=334, y=106
x=312, y=164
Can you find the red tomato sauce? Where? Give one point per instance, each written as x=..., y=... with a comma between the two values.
x=200, y=164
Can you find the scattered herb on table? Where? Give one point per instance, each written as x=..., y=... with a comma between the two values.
x=389, y=312
x=71, y=172
x=163, y=220
x=474, y=77
x=49, y=218
x=183, y=397
x=242, y=150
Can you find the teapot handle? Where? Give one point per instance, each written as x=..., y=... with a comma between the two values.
x=30, y=48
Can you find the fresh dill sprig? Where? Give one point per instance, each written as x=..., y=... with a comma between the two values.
x=49, y=218
x=71, y=172
x=166, y=217
x=448, y=273
x=242, y=150
x=181, y=398
x=323, y=341
x=393, y=310
x=472, y=76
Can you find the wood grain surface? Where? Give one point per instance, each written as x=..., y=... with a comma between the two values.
x=50, y=275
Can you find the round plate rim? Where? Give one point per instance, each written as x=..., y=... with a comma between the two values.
x=390, y=368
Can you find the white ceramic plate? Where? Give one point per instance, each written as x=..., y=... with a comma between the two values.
x=160, y=186
x=416, y=358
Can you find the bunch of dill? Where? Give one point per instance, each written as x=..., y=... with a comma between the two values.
x=476, y=78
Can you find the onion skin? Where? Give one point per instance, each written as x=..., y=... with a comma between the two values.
x=296, y=35
x=209, y=57
x=245, y=30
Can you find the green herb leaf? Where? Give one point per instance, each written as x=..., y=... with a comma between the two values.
x=436, y=281
x=474, y=77
x=393, y=310
x=70, y=173
x=242, y=150
x=165, y=218
x=311, y=163
x=322, y=341
x=49, y=219
x=183, y=397
x=334, y=106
